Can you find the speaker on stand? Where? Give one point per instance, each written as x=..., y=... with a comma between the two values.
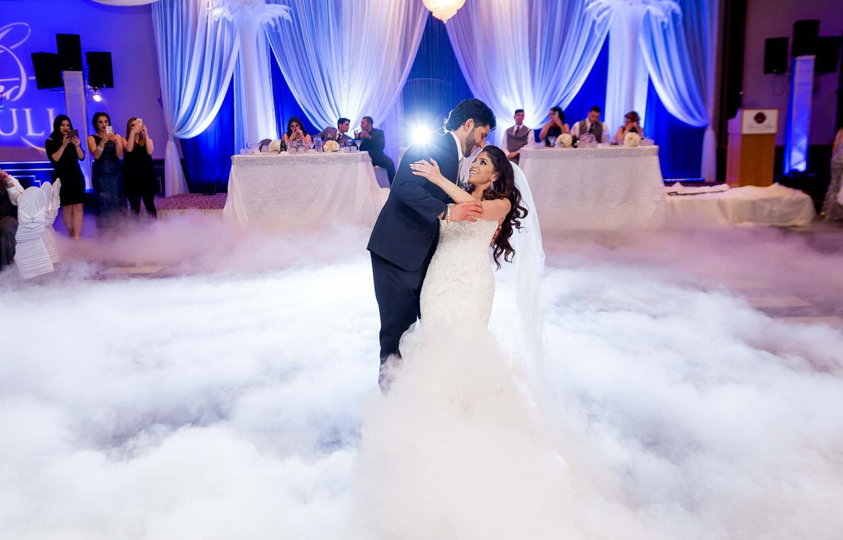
x=805, y=36
x=69, y=48
x=47, y=71
x=775, y=55
x=100, y=73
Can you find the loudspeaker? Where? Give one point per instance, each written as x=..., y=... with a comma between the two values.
x=805, y=34
x=828, y=54
x=100, y=74
x=775, y=55
x=47, y=72
x=70, y=52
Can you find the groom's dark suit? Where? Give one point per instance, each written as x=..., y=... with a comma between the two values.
x=405, y=237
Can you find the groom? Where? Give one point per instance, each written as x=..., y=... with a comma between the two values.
x=407, y=229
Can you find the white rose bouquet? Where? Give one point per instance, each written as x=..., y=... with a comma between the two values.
x=564, y=141
x=631, y=139
x=332, y=146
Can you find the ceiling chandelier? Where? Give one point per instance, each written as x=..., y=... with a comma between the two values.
x=443, y=9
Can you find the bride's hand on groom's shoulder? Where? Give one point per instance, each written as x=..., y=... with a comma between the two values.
x=429, y=170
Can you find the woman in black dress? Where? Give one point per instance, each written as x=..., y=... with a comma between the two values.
x=555, y=127
x=631, y=124
x=65, y=152
x=107, y=149
x=138, y=170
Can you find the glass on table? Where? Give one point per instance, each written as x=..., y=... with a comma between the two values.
x=552, y=141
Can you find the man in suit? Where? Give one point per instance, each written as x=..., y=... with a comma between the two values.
x=373, y=142
x=591, y=124
x=338, y=133
x=517, y=137
x=407, y=230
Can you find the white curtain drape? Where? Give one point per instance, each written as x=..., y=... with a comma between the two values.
x=196, y=60
x=344, y=58
x=627, y=80
x=526, y=54
x=681, y=60
x=253, y=103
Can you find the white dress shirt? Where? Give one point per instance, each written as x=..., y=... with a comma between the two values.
x=460, y=156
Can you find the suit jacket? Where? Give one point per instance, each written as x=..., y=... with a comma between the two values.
x=375, y=144
x=333, y=134
x=408, y=225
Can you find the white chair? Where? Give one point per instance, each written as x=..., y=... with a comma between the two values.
x=31, y=256
x=50, y=233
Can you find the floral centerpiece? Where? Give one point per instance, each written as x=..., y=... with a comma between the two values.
x=275, y=146
x=631, y=139
x=564, y=141
x=332, y=146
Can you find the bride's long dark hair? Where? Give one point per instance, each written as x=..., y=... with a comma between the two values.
x=504, y=188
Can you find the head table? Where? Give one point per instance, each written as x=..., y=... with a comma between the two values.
x=303, y=191
x=595, y=189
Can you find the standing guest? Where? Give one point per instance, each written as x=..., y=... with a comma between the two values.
x=374, y=142
x=295, y=132
x=517, y=137
x=107, y=149
x=338, y=133
x=832, y=209
x=632, y=124
x=138, y=169
x=591, y=124
x=555, y=127
x=9, y=194
x=65, y=151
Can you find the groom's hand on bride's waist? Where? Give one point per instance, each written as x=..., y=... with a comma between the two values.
x=467, y=211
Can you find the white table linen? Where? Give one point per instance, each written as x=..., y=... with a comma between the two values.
x=303, y=191
x=595, y=189
x=749, y=205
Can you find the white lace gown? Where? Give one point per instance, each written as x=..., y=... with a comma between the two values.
x=459, y=434
x=459, y=287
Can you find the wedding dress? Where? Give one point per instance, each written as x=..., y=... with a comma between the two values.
x=460, y=434
x=459, y=287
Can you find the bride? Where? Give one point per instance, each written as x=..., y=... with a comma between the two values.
x=459, y=286
x=459, y=449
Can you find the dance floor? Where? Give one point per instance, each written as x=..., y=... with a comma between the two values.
x=192, y=380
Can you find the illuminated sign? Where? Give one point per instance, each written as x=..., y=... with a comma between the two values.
x=26, y=113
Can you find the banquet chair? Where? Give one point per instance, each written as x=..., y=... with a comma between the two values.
x=50, y=238
x=31, y=256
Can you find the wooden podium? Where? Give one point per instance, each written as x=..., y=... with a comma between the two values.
x=752, y=147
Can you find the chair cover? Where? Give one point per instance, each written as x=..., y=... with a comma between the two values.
x=49, y=233
x=31, y=256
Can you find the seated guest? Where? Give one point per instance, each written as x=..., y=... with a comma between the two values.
x=517, y=137
x=338, y=133
x=373, y=142
x=591, y=124
x=631, y=124
x=295, y=132
x=9, y=195
x=555, y=127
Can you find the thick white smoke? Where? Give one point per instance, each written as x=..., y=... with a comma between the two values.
x=233, y=395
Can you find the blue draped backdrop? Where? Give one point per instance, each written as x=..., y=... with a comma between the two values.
x=434, y=85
